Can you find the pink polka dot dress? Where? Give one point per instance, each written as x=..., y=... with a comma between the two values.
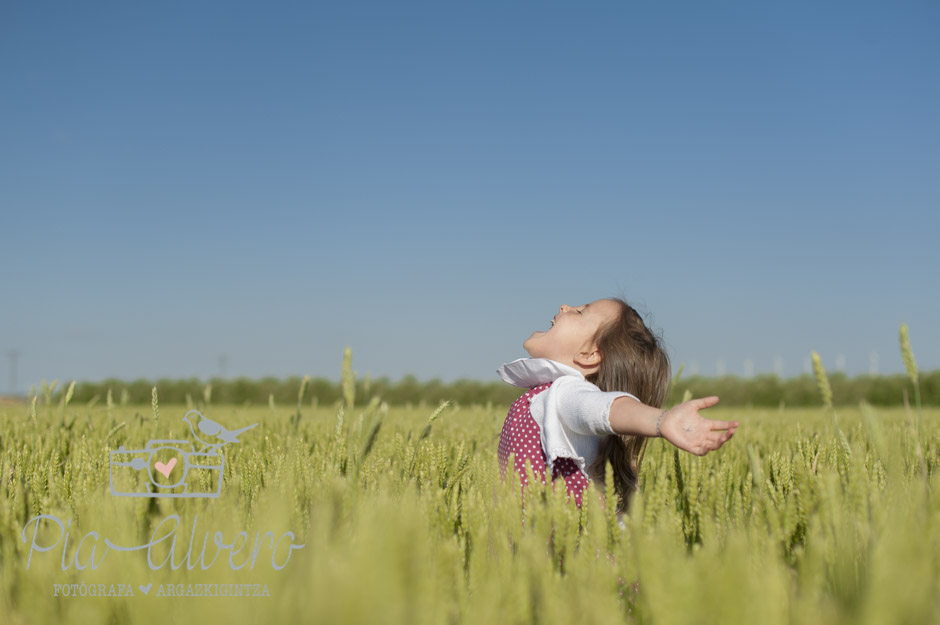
x=521, y=436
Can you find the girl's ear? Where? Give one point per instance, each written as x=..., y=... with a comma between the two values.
x=589, y=359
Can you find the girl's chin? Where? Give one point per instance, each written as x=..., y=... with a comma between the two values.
x=527, y=344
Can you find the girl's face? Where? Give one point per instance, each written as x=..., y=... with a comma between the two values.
x=570, y=339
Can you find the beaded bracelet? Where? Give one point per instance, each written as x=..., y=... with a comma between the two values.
x=658, y=422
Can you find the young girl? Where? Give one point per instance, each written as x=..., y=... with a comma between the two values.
x=597, y=379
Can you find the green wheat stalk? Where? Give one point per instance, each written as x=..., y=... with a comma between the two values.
x=822, y=382
x=49, y=389
x=757, y=473
x=373, y=432
x=907, y=354
x=155, y=404
x=121, y=425
x=675, y=378
x=349, y=381
x=295, y=419
x=303, y=391
x=434, y=415
x=610, y=510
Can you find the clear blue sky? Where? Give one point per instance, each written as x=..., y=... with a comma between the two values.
x=427, y=182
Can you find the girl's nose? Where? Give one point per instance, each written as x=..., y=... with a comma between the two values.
x=563, y=308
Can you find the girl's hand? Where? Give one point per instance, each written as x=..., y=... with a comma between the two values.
x=685, y=428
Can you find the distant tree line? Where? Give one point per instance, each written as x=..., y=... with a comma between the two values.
x=763, y=390
x=769, y=390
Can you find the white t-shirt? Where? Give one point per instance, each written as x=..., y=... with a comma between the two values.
x=572, y=414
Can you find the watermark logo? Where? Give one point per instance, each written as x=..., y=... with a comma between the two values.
x=175, y=468
x=165, y=468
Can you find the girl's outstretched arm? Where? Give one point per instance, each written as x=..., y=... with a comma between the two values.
x=681, y=425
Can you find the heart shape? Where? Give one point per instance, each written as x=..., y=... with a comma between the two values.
x=146, y=589
x=165, y=469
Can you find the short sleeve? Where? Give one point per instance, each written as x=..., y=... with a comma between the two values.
x=585, y=409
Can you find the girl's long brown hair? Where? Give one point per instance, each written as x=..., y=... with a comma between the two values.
x=633, y=361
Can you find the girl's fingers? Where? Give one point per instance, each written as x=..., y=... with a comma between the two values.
x=723, y=425
x=705, y=402
x=717, y=439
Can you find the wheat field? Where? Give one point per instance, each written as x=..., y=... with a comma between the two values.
x=361, y=513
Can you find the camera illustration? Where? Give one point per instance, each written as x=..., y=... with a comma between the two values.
x=166, y=468
x=174, y=468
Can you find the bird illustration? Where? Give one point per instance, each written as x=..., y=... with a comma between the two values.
x=209, y=428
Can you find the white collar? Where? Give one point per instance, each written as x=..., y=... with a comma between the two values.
x=530, y=372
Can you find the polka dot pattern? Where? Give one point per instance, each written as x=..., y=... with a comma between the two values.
x=521, y=436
